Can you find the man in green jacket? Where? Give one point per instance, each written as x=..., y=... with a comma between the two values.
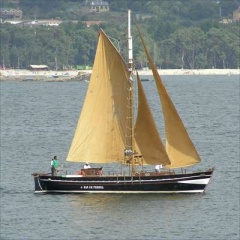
x=54, y=165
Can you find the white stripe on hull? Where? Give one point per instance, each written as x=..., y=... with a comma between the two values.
x=124, y=192
x=196, y=181
x=75, y=176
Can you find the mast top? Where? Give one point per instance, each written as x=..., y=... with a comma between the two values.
x=130, y=48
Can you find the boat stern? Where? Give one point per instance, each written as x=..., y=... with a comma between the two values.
x=37, y=183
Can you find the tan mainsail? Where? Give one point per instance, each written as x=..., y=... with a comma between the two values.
x=179, y=146
x=103, y=131
x=146, y=133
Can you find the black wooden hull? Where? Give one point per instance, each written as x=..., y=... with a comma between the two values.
x=162, y=183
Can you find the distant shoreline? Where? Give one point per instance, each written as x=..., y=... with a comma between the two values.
x=193, y=72
x=78, y=75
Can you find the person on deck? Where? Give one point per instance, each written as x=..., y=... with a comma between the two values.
x=158, y=168
x=54, y=165
x=86, y=166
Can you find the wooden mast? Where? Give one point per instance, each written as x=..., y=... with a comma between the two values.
x=130, y=63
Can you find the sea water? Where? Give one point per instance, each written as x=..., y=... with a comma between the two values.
x=38, y=120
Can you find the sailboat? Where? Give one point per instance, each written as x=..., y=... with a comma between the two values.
x=109, y=132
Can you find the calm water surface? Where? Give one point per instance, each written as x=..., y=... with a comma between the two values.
x=38, y=120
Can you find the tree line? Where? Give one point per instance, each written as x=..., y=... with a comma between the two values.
x=70, y=44
x=180, y=34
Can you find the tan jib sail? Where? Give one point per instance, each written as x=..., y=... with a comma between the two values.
x=103, y=129
x=179, y=146
x=146, y=133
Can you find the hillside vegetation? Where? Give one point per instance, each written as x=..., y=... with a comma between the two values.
x=180, y=34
